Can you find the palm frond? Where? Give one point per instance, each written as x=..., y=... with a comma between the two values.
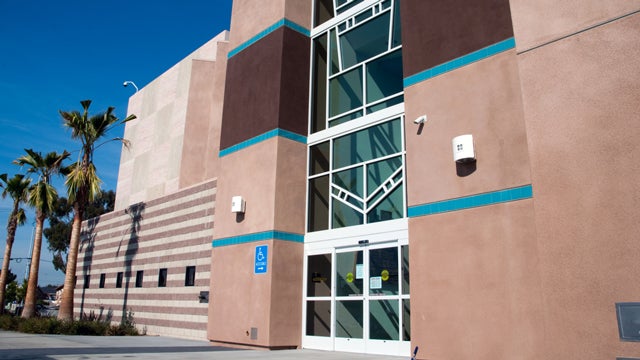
x=21, y=217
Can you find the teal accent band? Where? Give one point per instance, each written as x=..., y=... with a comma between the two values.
x=495, y=197
x=265, y=235
x=454, y=64
x=282, y=22
x=262, y=137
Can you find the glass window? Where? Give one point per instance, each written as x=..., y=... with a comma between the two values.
x=323, y=11
x=384, y=77
x=405, y=269
x=406, y=319
x=119, y=279
x=319, y=318
x=374, y=142
x=319, y=89
x=344, y=5
x=383, y=271
x=396, y=32
x=380, y=172
x=139, y=277
x=349, y=273
x=349, y=319
x=319, y=270
x=162, y=278
x=345, y=92
x=365, y=44
x=319, y=161
x=383, y=320
x=351, y=180
x=319, y=203
x=365, y=41
x=345, y=215
x=190, y=276
x=103, y=278
x=356, y=71
x=86, y=281
x=391, y=207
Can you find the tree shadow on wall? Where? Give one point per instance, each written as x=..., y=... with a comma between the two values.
x=88, y=238
x=135, y=212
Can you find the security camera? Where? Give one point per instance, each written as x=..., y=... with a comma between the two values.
x=421, y=120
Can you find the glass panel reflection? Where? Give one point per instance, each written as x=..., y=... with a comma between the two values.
x=319, y=270
x=318, y=318
x=349, y=319
x=405, y=269
x=349, y=273
x=383, y=271
x=345, y=92
x=384, y=320
x=319, y=203
x=365, y=41
x=406, y=320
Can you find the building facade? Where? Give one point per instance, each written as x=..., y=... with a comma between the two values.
x=308, y=161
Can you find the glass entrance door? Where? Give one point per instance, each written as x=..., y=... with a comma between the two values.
x=364, y=305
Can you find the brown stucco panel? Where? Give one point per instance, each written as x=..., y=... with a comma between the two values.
x=538, y=22
x=581, y=101
x=266, y=88
x=475, y=284
x=434, y=32
x=482, y=99
x=196, y=151
x=238, y=297
x=240, y=300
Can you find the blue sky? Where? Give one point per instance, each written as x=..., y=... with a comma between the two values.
x=53, y=54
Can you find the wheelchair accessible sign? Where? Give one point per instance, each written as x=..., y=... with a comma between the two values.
x=260, y=263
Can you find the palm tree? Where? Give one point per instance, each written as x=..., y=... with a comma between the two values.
x=83, y=183
x=16, y=188
x=42, y=197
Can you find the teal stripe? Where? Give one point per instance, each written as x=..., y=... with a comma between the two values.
x=496, y=197
x=282, y=22
x=454, y=64
x=265, y=235
x=262, y=137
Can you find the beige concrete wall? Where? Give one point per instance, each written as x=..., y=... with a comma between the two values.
x=482, y=99
x=580, y=97
x=170, y=232
x=475, y=286
x=538, y=22
x=151, y=167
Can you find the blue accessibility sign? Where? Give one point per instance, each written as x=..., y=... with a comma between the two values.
x=260, y=266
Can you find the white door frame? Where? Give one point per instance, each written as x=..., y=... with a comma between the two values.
x=377, y=236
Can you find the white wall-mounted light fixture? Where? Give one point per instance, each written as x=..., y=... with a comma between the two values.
x=237, y=204
x=463, y=149
x=421, y=120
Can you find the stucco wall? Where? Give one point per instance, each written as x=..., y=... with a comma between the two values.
x=170, y=232
x=151, y=168
x=581, y=101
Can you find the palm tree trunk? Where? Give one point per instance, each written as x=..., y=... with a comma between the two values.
x=11, y=233
x=32, y=286
x=66, y=304
x=12, y=226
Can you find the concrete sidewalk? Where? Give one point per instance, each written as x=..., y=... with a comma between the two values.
x=39, y=347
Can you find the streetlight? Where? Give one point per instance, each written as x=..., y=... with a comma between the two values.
x=130, y=82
